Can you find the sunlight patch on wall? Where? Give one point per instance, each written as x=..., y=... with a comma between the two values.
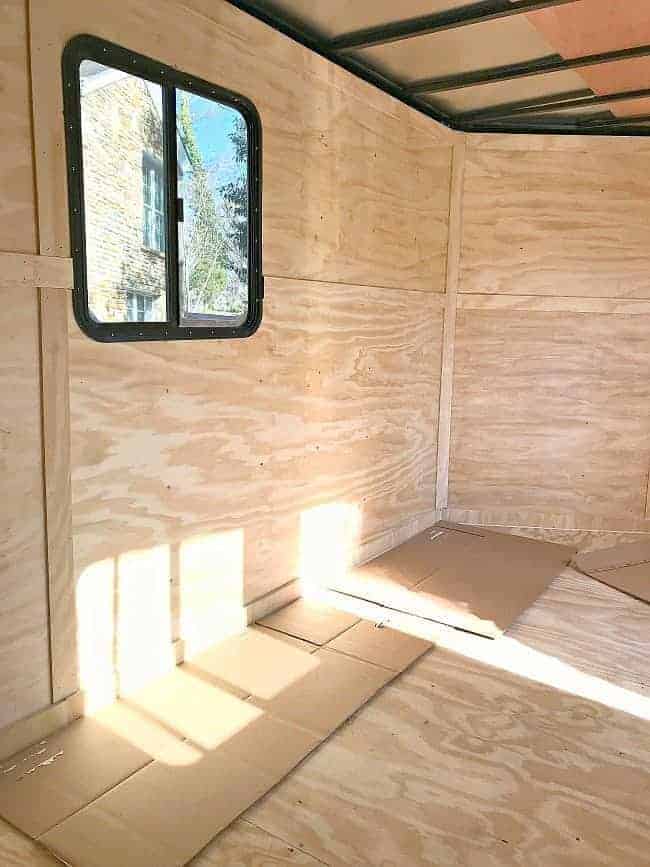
x=95, y=600
x=211, y=589
x=144, y=634
x=329, y=538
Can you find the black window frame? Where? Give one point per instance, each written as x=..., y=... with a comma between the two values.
x=87, y=47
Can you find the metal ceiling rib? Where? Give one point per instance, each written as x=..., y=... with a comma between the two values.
x=543, y=93
x=450, y=19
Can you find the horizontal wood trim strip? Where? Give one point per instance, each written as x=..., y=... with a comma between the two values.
x=47, y=272
x=576, y=143
x=555, y=304
x=535, y=519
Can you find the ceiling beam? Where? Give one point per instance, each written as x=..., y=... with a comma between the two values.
x=450, y=19
x=540, y=122
x=505, y=109
x=631, y=120
x=560, y=102
x=539, y=66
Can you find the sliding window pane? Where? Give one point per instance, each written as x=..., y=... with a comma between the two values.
x=213, y=235
x=124, y=195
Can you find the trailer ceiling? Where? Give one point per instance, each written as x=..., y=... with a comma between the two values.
x=567, y=66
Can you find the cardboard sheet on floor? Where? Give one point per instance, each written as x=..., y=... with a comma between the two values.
x=623, y=567
x=476, y=579
x=42, y=785
x=380, y=645
x=310, y=621
x=330, y=693
x=153, y=778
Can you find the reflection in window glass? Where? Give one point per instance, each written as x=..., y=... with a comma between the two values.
x=124, y=195
x=213, y=236
x=139, y=307
x=153, y=200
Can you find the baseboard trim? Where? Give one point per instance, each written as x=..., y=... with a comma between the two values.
x=24, y=732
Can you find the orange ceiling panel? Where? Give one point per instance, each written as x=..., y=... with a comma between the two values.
x=595, y=26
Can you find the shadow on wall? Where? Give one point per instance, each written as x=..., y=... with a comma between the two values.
x=133, y=608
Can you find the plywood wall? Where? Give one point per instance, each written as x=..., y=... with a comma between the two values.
x=551, y=384
x=194, y=478
x=24, y=655
x=206, y=474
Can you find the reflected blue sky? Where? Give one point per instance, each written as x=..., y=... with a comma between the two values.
x=213, y=124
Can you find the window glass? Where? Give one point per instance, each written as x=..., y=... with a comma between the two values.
x=212, y=162
x=124, y=195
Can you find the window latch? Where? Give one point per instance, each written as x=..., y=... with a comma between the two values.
x=180, y=211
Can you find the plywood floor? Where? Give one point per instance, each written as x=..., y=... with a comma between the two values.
x=531, y=750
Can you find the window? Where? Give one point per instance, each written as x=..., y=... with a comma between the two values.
x=153, y=198
x=139, y=307
x=165, y=199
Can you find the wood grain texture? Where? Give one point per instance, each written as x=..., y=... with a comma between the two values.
x=574, y=610
x=18, y=850
x=564, y=143
x=17, y=202
x=35, y=271
x=245, y=845
x=461, y=763
x=561, y=520
x=548, y=413
x=539, y=225
x=25, y=732
x=556, y=304
x=173, y=443
x=295, y=446
x=454, y=248
x=354, y=192
x=54, y=306
x=558, y=528
x=24, y=653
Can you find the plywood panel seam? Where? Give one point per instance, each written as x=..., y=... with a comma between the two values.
x=454, y=252
x=299, y=847
x=435, y=293
x=55, y=393
x=609, y=306
x=41, y=360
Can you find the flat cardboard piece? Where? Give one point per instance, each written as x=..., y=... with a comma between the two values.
x=488, y=588
x=310, y=621
x=331, y=692
x=380, y=645
x=192, y=708
x=261, y=664
x=41, y=786
x=222, y=729
x=477, y=580
x=623, y=567
x=164, y=815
